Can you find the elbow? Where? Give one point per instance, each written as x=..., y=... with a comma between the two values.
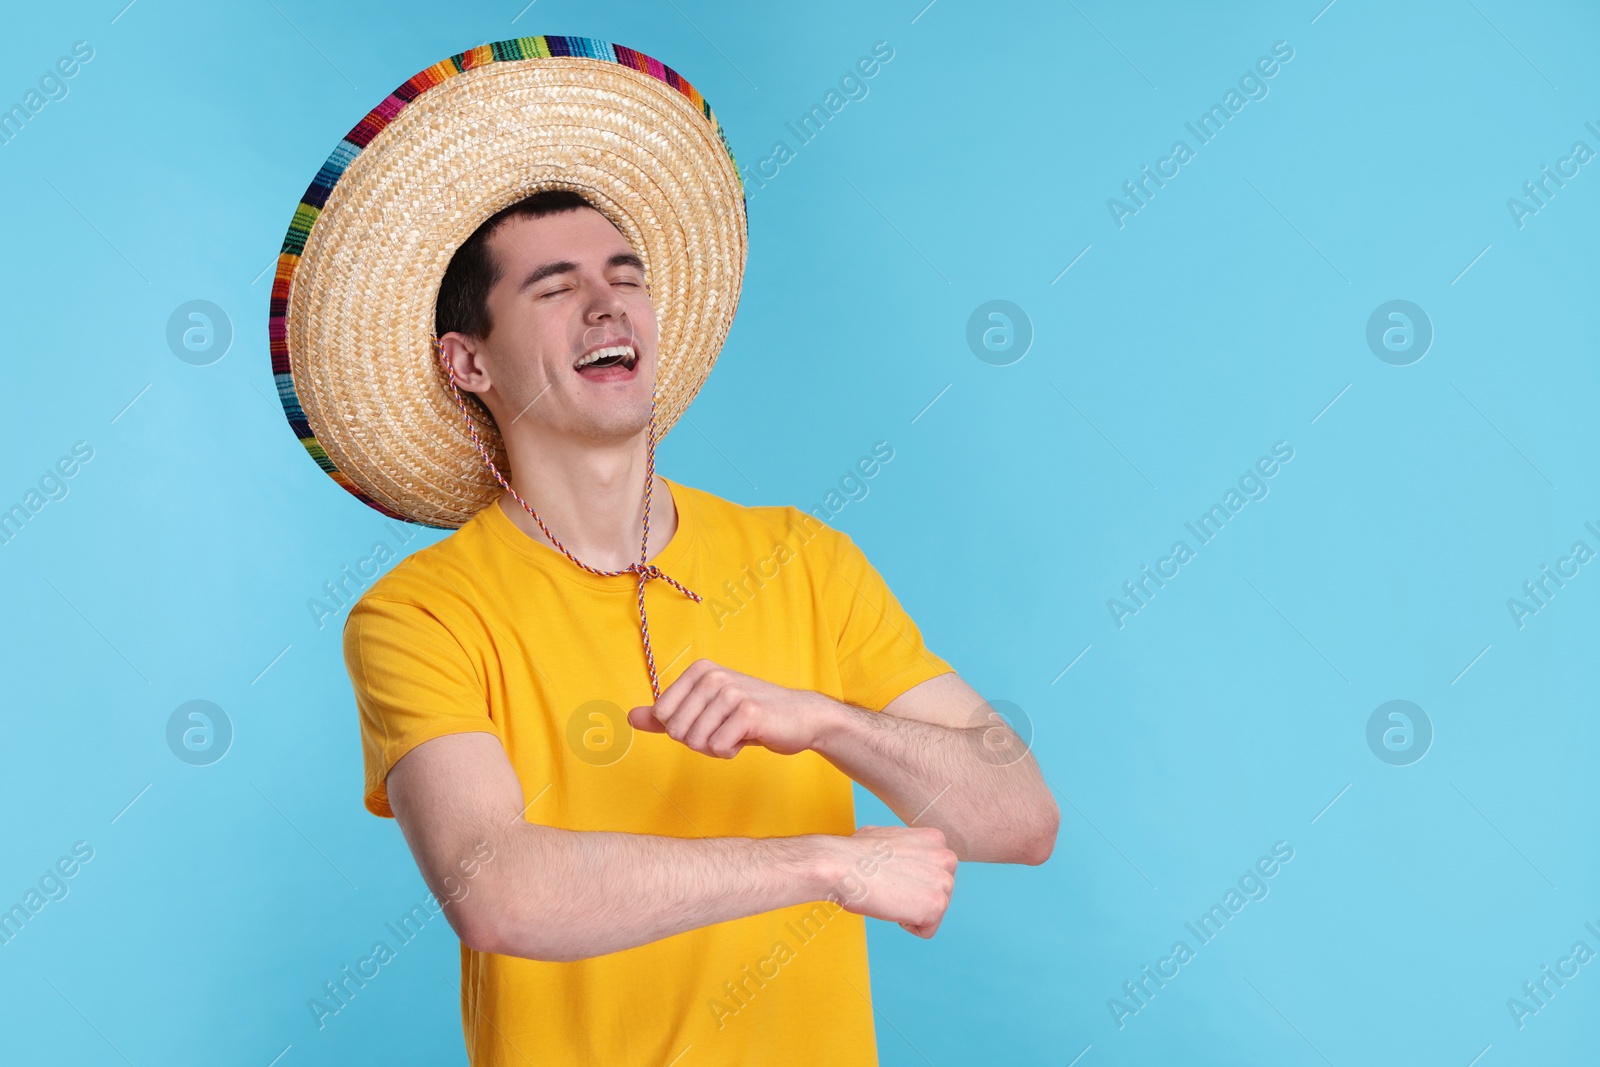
x=477, y=924
x=485, y=930
x=1040, y=847
x=1028, y=838
x=1042, y=841
x=480, y=917
x=492, y=925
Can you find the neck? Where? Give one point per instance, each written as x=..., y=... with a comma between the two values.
x=591, y=498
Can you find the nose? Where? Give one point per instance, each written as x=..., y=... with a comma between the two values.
x=605, y=303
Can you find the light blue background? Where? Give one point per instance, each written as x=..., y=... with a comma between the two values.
x=1223, y=317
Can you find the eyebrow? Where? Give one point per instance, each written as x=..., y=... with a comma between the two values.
x=566, y=266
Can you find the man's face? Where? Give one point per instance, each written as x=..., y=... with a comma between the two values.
x=569, y=283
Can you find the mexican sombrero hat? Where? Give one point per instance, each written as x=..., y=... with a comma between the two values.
x=358, y=276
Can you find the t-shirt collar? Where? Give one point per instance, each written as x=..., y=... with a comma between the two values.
x=507, y=532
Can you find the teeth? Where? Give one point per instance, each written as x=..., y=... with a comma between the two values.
x=623, y=351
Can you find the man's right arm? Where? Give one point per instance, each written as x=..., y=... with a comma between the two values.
x=550, y=894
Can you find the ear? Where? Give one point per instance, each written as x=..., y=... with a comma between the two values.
x=467, y=360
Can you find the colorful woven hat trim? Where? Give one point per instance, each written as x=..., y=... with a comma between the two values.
x=316, y=195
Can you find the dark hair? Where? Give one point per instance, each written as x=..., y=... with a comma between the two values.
x=463, y=304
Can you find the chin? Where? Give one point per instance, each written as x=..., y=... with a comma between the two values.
x=619, y=423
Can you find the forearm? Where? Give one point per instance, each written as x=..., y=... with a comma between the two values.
x=564, y=895
x=992, y=808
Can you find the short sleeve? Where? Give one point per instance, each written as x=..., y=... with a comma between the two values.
x=881, y=652
x=413, y=682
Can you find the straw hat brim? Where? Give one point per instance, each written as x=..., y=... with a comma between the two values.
x=357, y=280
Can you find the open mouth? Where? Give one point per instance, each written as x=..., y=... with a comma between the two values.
x=612, y=363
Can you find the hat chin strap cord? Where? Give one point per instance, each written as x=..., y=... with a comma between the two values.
x=645, y=571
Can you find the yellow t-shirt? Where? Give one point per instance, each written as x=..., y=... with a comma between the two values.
x=490, y=630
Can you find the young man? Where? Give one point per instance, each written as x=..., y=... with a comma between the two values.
x=641, y=821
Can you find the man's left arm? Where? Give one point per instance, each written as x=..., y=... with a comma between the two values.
x=937, y=754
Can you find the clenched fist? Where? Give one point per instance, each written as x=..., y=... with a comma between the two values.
x=717, y=710
x=902, y=874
